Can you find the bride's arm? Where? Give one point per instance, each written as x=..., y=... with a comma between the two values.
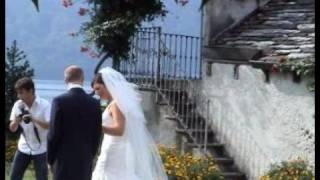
x=117, y=128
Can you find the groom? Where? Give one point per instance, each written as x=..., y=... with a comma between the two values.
x=74, y=130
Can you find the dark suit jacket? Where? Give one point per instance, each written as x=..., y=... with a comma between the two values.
x=74, y=135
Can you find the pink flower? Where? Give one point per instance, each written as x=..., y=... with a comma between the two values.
x=72, y=34
x=84, y=49
x=282, y=60
x=67, y=3
x=183, y=2
x=93, y=54
x=82, y=11
x=274, y=69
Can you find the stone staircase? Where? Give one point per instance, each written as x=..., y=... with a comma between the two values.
x=193, y=126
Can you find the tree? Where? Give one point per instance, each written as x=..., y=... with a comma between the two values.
x=16, y=66
x=36, y=4
x=113, y=23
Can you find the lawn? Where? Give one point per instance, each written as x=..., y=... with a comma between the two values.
x=28, y=175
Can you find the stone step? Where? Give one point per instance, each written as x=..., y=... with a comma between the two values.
x=196, y=134
x=224, y=161
x=190, y=123
x=192, y=126
x=233, y=176
x=185, y=117
x=209, y=145
x=179, y=130
x=176, y=96
x=174, y=92
x=162, y=103
x=183, y=106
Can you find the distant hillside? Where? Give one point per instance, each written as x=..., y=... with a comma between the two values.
x=44, y=35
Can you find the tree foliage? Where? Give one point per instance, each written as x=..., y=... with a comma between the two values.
x=16, y=67
x=36, y=4
x=113, y=23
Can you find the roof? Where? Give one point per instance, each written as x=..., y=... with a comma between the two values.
x=282, y=28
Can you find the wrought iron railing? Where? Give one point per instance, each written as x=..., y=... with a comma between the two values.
x=156, y=56
x=169, y=63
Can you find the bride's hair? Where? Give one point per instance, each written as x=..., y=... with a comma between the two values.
x=97, y=79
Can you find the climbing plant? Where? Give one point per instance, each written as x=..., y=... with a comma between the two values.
x=303, y=68
x=113, y=23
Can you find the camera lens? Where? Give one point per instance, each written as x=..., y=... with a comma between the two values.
x=27, y=120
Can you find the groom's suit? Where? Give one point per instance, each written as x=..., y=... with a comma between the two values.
x=74, y=135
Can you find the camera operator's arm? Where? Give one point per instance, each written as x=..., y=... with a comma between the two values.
x=42, y=123
x=15, y=121
x=14, y=124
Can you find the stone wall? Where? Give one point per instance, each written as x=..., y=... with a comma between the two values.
x=259, y=122
x=162, y=129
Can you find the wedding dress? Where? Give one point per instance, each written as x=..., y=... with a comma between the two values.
x=111, y=163
x=134, y=155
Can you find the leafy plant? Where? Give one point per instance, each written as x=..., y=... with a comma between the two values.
x=304, y=68
x=296, y=169
x=113, y=23
x=11, y=147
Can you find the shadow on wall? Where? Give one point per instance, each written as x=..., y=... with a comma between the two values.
x=284, y=84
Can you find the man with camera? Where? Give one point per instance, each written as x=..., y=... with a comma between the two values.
x=31, y=114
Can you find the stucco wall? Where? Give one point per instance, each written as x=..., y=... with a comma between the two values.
x=162, y=129
x=259, y=122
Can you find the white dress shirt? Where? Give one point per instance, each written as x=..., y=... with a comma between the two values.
x=40, y=109
x=73, y=85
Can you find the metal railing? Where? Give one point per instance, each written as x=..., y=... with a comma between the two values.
x=156, y=56
x=168, y=63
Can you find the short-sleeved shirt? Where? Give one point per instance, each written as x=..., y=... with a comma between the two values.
x=40, y=110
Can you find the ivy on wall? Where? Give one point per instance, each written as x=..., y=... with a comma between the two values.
x=302, y=68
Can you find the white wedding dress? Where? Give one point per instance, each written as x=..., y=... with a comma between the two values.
x=134, y=155
x=112, y=161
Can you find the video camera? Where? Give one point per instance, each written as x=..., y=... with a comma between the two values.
x=24, y=112
x=27, y=120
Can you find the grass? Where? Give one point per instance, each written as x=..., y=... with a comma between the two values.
x=28, y=175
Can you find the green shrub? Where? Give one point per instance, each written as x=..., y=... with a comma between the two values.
x=296, y=169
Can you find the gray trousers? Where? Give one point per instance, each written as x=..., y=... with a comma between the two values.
x=21, y=162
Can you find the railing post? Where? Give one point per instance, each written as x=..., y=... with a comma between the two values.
x=157, y=78
x=206, y=127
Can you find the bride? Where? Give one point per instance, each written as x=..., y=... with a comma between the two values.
x=128, y=151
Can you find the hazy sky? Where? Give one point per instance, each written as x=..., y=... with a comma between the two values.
x=44, y=35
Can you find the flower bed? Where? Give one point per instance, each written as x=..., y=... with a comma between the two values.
x=11, y=147
x=188, y=167
x=289, y=170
